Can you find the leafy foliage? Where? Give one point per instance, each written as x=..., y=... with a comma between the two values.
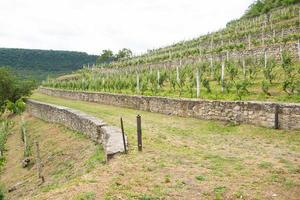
x=108, y=56
x=264, y=6
x=12, y=90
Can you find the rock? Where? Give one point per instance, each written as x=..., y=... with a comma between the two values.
x=25, y=162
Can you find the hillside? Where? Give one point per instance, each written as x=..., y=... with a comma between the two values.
x=253, y=58
x=38, y=64
x=181, y=147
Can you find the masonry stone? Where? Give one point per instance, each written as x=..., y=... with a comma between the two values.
x=248, y=112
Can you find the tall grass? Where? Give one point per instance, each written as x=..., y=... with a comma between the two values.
x=25, y=138
x=4, y=131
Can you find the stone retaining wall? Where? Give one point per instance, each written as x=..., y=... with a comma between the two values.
x=109, y=136
x=249, y=112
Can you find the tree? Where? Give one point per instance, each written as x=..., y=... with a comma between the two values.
x=106, y=57
x=124, y=53
x=264, y=6
x=12, y=88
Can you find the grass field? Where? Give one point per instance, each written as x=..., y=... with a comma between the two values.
x=186, y=158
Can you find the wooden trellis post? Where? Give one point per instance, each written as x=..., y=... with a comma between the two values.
x=262, y=38
x=280, y=51
x=299, y=49
x=249, y=41
x=266, y=59
x=211, y=65
x=244, y=66
x=39, y=162
x=158, y=79
x=198, y=83
x=177, y=72
x=227, y=56
x=137, y=83
x=222, y=76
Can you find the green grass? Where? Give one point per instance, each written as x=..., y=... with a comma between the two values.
x=85, y=196
x=200, y=178
x=2, y=191
x=97, y=158
x=5, y=127
x=181, y=155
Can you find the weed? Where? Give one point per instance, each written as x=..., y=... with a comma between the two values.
x=219, y=191
x=265, y=165
x=200, y=178
x=85, y=196
x=97, y=158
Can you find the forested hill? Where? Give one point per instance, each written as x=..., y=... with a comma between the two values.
x=38, y=64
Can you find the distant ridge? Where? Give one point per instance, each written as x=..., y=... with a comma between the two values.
x=38, y=64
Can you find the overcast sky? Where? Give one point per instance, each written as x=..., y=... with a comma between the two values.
x=94, y=25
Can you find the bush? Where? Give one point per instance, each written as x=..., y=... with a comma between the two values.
x=12, y=90
x=17, y=108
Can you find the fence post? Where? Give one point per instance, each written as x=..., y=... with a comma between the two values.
x=123, y=135
x=139, y=132
x=39, y=163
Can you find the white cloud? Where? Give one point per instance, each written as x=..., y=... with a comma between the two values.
x=94, y=25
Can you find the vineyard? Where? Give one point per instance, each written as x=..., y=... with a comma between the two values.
x=254, y=58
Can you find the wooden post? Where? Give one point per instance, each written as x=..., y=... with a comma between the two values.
x=39, y=163
x=123, y=135
x=299, y=49
x=266, y=59
x=139, y=132
x=198, y=83
x=249, y=41
x=244, y=66
x=137, y=83
x=158, y=79
x=25, y=141
x=227, y=56
x=222, y=76
x=281, y=56
x=211, y=66
x=177, y=72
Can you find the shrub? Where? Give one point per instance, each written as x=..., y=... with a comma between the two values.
x=17, y=108
x=265, y=87
x=13, y=89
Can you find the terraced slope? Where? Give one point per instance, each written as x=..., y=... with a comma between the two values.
x=252, y=58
